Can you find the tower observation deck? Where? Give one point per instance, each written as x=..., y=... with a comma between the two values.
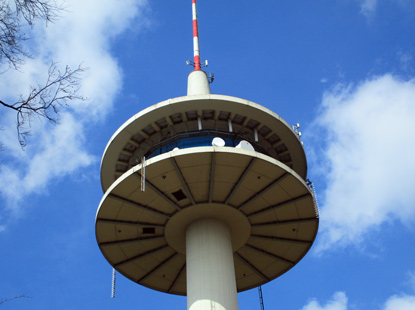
x=205, y=196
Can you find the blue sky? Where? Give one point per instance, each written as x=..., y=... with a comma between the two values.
x=343, y=69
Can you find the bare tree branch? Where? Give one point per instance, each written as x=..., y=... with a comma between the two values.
x=16, y=297
x=46, y=100
x=11, y=39
x=43, y=100
x=14, y=14
x=37, y=9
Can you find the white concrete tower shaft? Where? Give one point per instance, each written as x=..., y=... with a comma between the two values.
x=210, y=269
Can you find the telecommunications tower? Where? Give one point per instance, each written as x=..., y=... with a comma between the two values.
x=205, y=196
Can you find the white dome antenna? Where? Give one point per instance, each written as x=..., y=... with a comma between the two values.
x=245, y=145
x=218, y=142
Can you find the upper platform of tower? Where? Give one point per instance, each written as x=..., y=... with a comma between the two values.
x=195, y=120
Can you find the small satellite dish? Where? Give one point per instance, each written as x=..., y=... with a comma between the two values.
x=175, y=149
x=245, y=145
x=218, y=142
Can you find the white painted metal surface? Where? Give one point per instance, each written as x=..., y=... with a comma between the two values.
x=210, y=269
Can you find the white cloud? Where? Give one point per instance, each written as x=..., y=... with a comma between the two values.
x=83, y=34
x=403, y=302
x=368, y=7
x=405, y=61
x=367, y=155
x=61, y=153
x=411, y=280
x=338, y=302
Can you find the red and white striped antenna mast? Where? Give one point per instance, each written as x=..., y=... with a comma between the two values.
x=196, y=49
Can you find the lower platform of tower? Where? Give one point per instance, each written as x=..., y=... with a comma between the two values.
x=212, y=221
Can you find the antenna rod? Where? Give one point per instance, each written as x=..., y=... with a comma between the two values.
x=113, y=283
x=196, y=50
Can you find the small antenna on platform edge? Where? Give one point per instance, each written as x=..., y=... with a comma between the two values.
x=313, y=189
x=114, y=275
x=261, y=298
x=143, y=174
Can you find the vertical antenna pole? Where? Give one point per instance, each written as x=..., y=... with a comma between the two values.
x=196, y=50
x=261, y=298
x=113, y=283
x=143, y=174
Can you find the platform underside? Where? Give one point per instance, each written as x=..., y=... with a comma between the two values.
x=138, y=231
